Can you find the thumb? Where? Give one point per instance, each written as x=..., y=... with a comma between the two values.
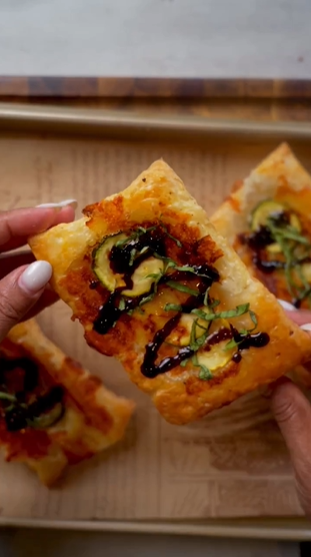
x=292, y=411
x=19, y=291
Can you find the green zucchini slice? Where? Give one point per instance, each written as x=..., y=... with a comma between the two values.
x=47, y=419
x=263, y=211
x=148, y=272
x=144, y=277
x=101, y=264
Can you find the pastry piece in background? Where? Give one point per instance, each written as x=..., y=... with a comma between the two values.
x=154, y=285
x=53, y=412
x=267, y=220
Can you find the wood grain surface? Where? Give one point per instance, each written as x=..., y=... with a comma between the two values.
x=102, y=87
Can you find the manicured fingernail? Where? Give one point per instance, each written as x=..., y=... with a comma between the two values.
x=286, y=305
x=66, y=203
x=306, y=327
x=35, y=277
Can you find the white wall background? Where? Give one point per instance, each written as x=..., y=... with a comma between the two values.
x=190, y=38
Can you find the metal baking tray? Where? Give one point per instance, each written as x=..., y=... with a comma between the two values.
x=19, y=119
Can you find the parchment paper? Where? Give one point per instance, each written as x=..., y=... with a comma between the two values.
x=233, y=463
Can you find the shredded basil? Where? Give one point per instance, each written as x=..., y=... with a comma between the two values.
x=132, y=258
x=182, y=287
x=253, y=317
x=148, y=298
x=140, y=230
x=205, y=374
x=236, y=312
x=155, y=276
x=296, y=249
x=231, y=344
x=173, y=307
x=196, y=342
x=7, y=396
x=177, y=242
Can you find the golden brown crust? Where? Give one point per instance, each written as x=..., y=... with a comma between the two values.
x=280, y=177
x=94, y=418
x=157, y=195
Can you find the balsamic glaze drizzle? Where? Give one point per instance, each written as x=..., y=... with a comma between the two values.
x=30, y=369
x=258, y=241
x=153, y=242
x=18, y=414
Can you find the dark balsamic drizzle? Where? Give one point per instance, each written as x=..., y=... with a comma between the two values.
x=29, y=368
x=18, y=414
x=259, y=240
x=149, y=368
x=150, y=243
x=252, y=340
x=219, y=336
x=121, y=263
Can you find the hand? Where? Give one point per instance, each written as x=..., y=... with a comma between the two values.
x=293, y=414
x=24, y=289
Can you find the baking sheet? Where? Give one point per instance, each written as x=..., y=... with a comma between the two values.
x=232, y=464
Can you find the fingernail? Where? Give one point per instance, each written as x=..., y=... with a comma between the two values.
x=66, y=203
x=306, y=327
x=35, y=277
x=286, y=305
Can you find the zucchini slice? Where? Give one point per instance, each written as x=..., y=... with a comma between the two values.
x=47, y=419
x=181, y=335
x=295, y=222
x=101, y=264
x=217, y=357
x=144, y=277
x=274, y=248
x=264, y=210
x=306, y=271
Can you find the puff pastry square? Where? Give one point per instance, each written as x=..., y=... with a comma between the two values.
x=154, y=285
x=278, y=186
x=53, y=412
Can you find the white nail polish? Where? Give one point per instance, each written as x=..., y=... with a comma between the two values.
x=306, y=327
x=286, y=305
x=35, y=277
x=66, y=203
